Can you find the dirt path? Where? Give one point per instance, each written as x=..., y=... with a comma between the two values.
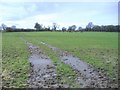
x=43, y=72
x=90, y=76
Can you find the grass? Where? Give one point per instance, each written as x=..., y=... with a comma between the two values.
x=99, y=49
x=70, y=40
x=65, y=74
x=15, y=65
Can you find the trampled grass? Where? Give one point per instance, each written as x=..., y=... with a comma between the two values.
x=66, y=75
x=15, y=66
x=99, y=49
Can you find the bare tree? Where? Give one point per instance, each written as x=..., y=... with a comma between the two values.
x=80, y=29
x=89, y=26
x=55, y=26
x=64, y=29
x=3, y=26
x=38, y=26
x=72, y=28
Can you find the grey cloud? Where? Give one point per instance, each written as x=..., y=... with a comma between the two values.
x=17, y=11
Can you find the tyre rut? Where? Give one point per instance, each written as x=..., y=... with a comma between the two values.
x=89, y=76
x=42, y=72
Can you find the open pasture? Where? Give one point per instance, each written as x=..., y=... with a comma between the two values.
x=99, y=49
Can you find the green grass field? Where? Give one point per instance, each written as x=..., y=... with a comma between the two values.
x=99, y=49
x=15, y=65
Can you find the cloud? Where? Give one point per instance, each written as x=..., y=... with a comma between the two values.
x=29, y=22
x=12, y=12
x=16, y=11
x=65, y=14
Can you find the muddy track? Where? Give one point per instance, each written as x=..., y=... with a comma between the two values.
x=43, y=72
x=91, y=77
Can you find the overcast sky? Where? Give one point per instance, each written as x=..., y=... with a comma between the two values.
x=26, y=14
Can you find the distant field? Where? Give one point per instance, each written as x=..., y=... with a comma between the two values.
x=70, y=40
x=99, y=49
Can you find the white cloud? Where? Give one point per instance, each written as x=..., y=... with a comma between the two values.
x=30, y=21
x=25, y=15
x=8, y=12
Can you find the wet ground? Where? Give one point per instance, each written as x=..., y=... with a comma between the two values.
x=91, y=77
x=42, y=72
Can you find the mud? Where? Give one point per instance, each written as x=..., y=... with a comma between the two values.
x=42, y=72
x=89, y=76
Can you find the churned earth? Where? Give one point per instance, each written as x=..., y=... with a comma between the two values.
x=91, y=77
x=43, y=72
x=53, y=67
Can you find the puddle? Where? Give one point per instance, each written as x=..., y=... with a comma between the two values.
x=77, y=64
x=90, y=76
x=43, y=72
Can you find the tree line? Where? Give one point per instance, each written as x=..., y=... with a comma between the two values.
x=73, y=28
